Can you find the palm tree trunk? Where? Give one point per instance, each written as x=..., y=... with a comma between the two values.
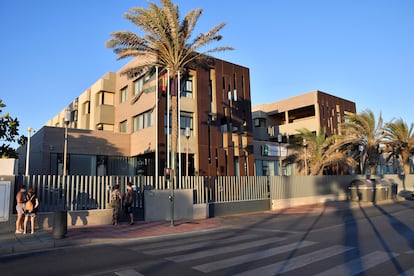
x=405, y=162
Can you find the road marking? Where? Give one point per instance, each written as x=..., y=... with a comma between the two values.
x=128, y=272
x=169, y=243
x=175, y=249
x=222, y=250
x=268, y=230
x=213, y=266
x=297, y=262
x=407, y=272
x=360, y=264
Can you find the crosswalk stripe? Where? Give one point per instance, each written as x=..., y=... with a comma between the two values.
x=170, y=243
x=213, y=266
x=128, y=272
x=407, y=272
x=297, y=262
x=359, y=265
x=269, y=230
x=175, y=249
x=222, y=250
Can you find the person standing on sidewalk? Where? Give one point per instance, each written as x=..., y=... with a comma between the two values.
x=20, y=200
x=32, y=203
x=129, y=199
x=116, y=199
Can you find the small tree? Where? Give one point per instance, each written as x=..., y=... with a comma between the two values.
x=322, y=153
x=9, y=131
x=399, y=138
x=364, y=134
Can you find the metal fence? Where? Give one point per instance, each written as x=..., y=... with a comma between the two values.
x=93, y=192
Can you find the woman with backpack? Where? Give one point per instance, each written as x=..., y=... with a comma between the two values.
x=32, y=203
x=116, y=199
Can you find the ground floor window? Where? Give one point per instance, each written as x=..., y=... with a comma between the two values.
x=100, y=165
x=272, y=168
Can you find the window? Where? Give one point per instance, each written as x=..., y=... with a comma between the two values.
x=235, y=89
x=165, y=124
x=186, y=120
x=147, y=119
x=143, y=120
x=124, y=94
x=87, y=107
x=242, y=88
x=105, y=98
x=138, y=122
x=123, y=127
x=187, y=88
x=260, y=122
x=106, y=127
x=138, y=84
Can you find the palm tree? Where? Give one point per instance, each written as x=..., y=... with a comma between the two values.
x=399, y=138
x=322, y=152
x=166, y=44
x=363, y=135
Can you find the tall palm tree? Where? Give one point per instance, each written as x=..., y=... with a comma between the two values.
x=167, y=44
x=322, y=152
x=399, y=138
x=363, y=135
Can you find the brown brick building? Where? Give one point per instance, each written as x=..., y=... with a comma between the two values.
x=118, y=126
x=276, y=123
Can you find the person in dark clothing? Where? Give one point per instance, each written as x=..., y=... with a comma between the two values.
x=129, y=199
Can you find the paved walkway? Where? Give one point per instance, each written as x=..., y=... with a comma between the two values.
x=11, y=243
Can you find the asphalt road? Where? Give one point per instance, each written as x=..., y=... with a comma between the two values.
x=366, y=240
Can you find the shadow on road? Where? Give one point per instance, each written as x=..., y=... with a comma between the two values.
x=381, y=239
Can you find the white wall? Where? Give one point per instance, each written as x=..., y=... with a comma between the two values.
x=4, y=200
x=8, y=166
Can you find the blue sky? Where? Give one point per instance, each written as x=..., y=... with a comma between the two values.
x=360, y=50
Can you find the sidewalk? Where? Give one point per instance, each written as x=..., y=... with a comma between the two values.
x=11, y=243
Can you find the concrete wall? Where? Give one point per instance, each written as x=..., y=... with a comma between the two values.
x=8, y=166
x=5, y=188
x=44, y=220
x=237, y=207
x=77, y=218
x=7, y=223
x=285, y=192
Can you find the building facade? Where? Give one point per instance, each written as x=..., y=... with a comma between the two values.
x=120, y=125
x=276, y=123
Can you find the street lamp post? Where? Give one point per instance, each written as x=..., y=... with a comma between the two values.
x=65, y=148
x=279, y=140
x=187, y=135
x=305, y=145
x=29, y=130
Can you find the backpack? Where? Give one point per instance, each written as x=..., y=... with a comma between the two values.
x=29, y=203
x=115, y=201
